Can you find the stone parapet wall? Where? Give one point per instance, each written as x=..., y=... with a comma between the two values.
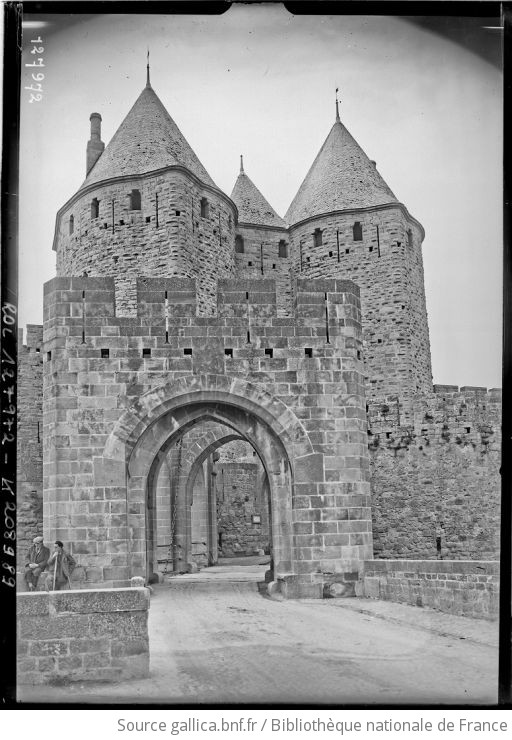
x=466, y=588
x=436, y=487
x=83, y=636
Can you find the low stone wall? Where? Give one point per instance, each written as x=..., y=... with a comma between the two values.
x=463, y=587
x=82, y=635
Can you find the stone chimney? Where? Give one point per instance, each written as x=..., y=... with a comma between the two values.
x=95, y=146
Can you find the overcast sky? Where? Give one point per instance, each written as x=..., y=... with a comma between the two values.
x=260, y=82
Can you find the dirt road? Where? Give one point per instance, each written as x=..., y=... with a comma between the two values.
x=226, y=643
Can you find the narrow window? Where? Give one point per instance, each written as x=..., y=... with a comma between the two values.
x=105, y=354
x=410, y=241
x=71, y=224
x=239, y=244
x=228, y=352
x=205, y=208
x=308, y=351
x=283, y=248
x=249, y=264
x=49, y=356
x=135, y=200
x=95, y=208
x=148, y=219
x=146, y=352
x=178, y=213
x=187, y=351
x=357, y=232
x=269, y=351
x=347, y=251
x=317, y=238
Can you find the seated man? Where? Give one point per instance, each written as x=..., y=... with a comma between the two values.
x=60, y=567
x=37, y=559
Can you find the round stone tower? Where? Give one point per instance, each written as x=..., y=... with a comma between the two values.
x=147, y=207
x=346, y=222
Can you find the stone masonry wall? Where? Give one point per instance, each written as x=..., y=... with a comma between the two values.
x=97, y=364
x=166, y=237
x=238, y=500
x=436, y=482
x=388, y=268
x=30, y=440
x=260, y=259
x=83, y=636
x=469, y=589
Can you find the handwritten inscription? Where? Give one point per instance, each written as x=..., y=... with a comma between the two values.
x=36, y=86
x=8, y=444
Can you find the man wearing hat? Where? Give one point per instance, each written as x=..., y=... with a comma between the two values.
x=37, y=559
x=60, y=567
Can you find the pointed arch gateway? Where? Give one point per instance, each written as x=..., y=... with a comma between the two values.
x=151, y=425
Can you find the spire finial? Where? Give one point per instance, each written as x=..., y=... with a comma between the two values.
x=242, y=164
x=337, y=107
x=148, y=83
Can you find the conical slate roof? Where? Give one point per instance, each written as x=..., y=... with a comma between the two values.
x=147, y=140
x=253, y=208
x=341, y=177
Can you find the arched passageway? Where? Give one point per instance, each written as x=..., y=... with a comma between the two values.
x=189, y=509
x=158, y=441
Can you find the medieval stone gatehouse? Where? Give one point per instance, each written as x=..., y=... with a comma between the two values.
x=183, y=321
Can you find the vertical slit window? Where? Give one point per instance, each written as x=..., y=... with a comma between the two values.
x=71, y=224
x=205, y=208
x=95, y=208
x=239, y=244
x=135, y=200
x=283, y=248
x=317, y=238
x=357, y=232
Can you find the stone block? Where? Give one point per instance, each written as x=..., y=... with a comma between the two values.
x=108, y=472
x=89, y=601
x=372, y=587
x=120, y=625
x=32, y=604
x=53, y=628
x=129, y=647
x=49, y=647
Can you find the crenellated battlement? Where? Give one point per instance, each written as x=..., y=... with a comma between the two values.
x=321, y=307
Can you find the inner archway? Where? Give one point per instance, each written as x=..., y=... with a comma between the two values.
x=152, y=450
x=208, y=501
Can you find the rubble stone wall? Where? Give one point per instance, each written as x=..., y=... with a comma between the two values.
x=436, y=486
x=239, y=499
